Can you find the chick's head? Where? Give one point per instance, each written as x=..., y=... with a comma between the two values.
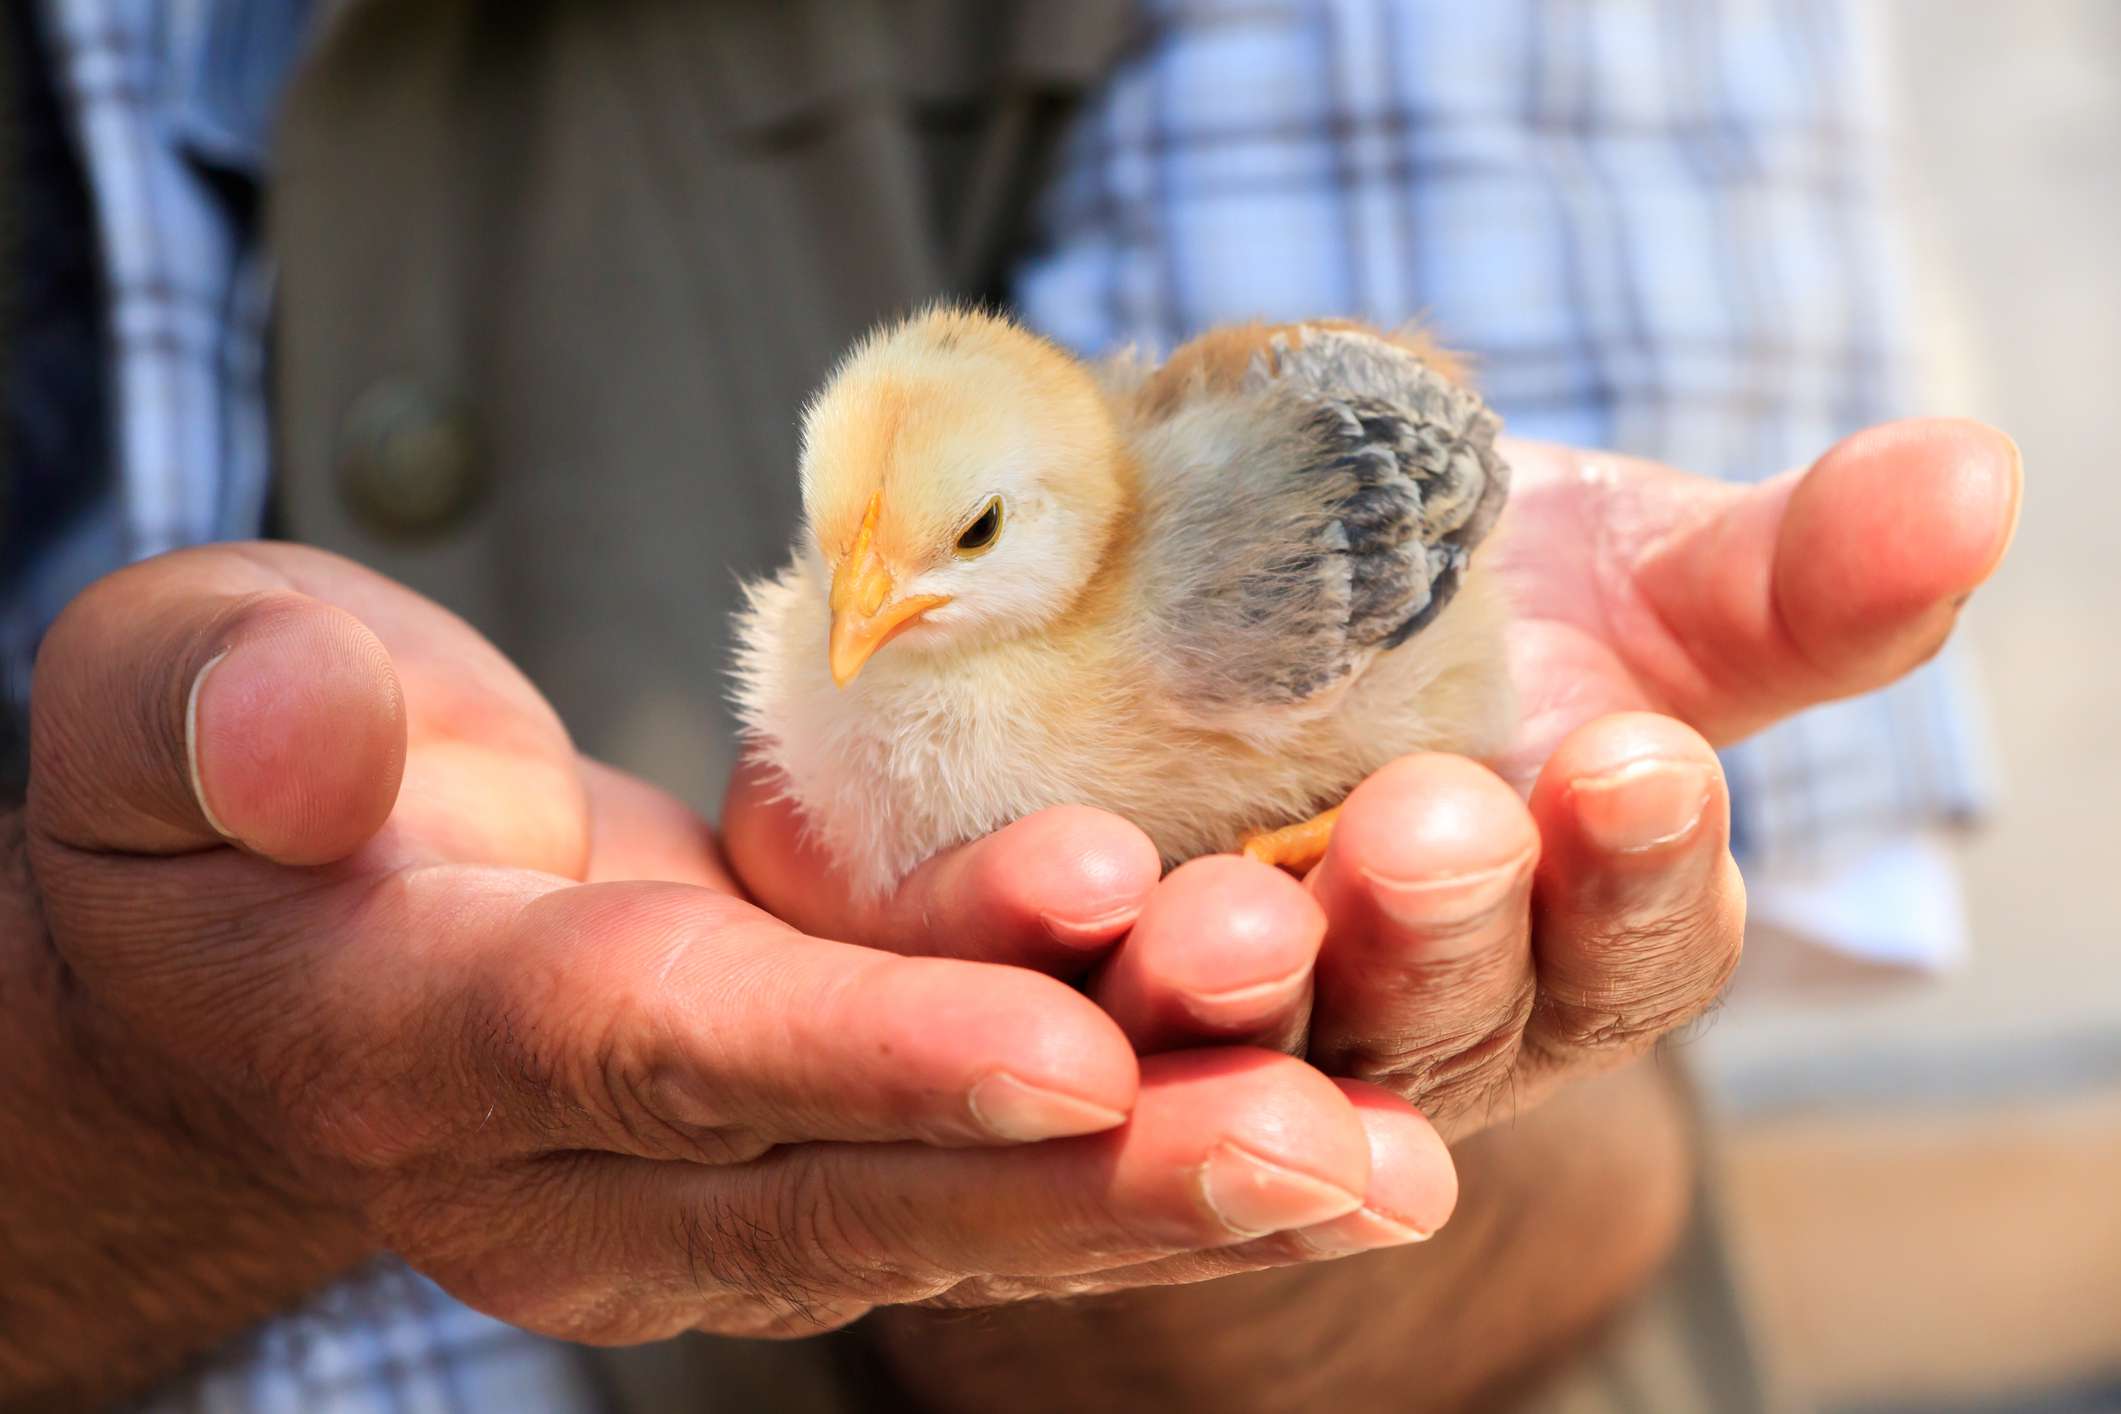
x=963, y=480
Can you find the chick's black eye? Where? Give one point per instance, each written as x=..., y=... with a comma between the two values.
x=986, y=527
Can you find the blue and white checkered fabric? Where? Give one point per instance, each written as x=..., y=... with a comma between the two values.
x=1659, y=228
x=385, y=1342
x=170, y=104
x=1659, y=224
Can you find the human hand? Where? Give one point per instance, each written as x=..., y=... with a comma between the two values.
x=1468, y=949
x=605, y=1110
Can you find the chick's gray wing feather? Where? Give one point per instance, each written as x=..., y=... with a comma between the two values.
x=1319, y=512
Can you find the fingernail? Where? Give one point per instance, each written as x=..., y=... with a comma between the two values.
x=1457, y=902
x=1251, y=1196
x=191, y=746
x=2017, y=501
x=1364, y=1230
x=1643, y=805
x=1090, y=932
x=1240, y=1006
x=1009, y=1109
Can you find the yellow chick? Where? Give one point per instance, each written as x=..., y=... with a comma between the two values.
x=1209, y=597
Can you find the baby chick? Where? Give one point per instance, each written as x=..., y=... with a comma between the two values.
x=1209, y=597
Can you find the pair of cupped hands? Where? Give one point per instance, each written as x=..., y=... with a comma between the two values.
x=334, y=886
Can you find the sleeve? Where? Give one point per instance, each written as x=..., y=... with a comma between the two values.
x=385, y=1340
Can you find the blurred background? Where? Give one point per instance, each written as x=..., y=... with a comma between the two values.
x=1921, y=1176
x=1924, y=1178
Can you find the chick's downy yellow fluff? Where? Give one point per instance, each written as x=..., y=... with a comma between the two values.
x=1209, y=597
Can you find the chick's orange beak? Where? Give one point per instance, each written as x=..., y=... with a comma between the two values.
x=864, y=615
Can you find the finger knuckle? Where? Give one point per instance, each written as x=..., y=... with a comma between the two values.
x=571, y=1065
x=634, y=1089
x=1452, y=1071
x=615, y=1077
x=839, y=1241
x=748, y=1276
x=1653, y=975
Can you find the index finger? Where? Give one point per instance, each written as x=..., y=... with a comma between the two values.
x=670, y=1021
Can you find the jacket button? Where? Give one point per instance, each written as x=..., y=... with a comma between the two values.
x=409, y=460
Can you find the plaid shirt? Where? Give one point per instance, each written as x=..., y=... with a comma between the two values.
x=1660, y=227
x=169, y=106
x=387, y=1341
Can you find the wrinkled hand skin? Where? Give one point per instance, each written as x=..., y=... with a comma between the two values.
x=320, y=941
x=1482, y=937
x=405, y=991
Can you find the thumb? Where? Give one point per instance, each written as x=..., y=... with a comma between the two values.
x=1881, y=543
x=196, y=699
x=1833, y=582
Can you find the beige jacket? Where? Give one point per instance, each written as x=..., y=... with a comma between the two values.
x=556, y=277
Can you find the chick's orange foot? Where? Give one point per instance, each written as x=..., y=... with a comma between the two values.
x=1296, y=847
